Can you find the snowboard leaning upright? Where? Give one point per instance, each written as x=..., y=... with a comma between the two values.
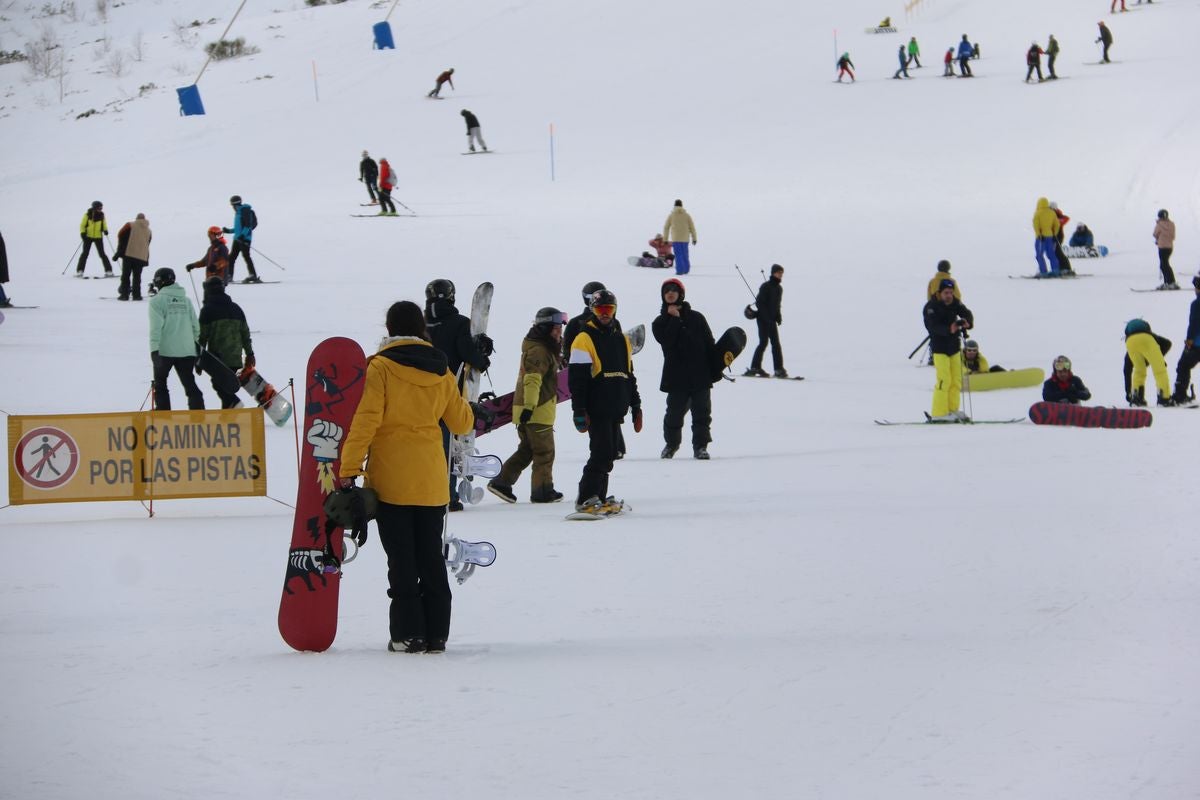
x=334, y=382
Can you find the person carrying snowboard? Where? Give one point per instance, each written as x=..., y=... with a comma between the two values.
x=409, y=392
x=845, y=67
x=535, y=406
x=1045, y=231
x=965, y=52
x=225, y=334
x=215, y=260
x=1064, y=386
x=1145, y=350
x=687, y=345
x=92, y=230
x=1033, y=61
x=244, y=223
x=368, y=173
x=174, y=330
x=1190, y=356
x=947, y=321
x=133, y=251
x=445, y=77
x=474, y=132
x=1164, y=239
x=603, y=389
x=769, y=301
x=903, y=70
x=1106, y=38
x=450, y=333
x=1051, y=56
x=677, y=230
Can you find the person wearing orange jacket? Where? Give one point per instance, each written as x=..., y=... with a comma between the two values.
x=445, y=77
x=216, y=259
x=409, y=390
x=92, y=231
x=387, y=182
x=1045, y=230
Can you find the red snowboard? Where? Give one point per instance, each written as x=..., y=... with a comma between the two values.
x=1089, y=416
x=308, y=610
x=502, y=406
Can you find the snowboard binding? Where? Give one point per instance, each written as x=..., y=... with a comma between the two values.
x=463, y=557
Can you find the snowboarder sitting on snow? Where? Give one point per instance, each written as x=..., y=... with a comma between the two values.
x=1144, y=348
x=603, y=389
x=973, y=360
x=225, y=334
x=1064, y=386
x=216, y=258
x=1082, y=237
x=535, y=405
x=664, y=258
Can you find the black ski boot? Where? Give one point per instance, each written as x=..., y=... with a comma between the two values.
x=1138, y=398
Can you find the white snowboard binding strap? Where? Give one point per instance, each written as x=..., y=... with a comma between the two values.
x=463, y=557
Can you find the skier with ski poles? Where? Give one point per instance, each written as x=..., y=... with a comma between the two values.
x=368, y=173
x=216, y=258
x=387, y=182
x=244, y=223
x=409, y=392
x=947, y=321
x=1106, y=39
x=92, y=230
x=769, y=317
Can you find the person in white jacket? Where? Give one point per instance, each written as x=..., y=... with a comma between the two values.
x=677, y=230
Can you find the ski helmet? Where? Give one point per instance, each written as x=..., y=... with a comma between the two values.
x=1136, y=326
x=943, y=266
x=215, y=230
x=97, y=204
x=672, y=283
x=236, y=200
x=1196, y=280
x=1162, y=213
x=603, y=298
x=971, y=344
x=589, y=289
x=548, y=317
x=440, y=289
x=163, y=276
x=1062, y=363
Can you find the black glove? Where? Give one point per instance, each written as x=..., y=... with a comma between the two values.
x=487, y=362
x=483, y=414
x=83, y=236
x=484, y=345
x=526, y=415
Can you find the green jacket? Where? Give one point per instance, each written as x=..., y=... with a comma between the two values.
x=174, y=327
x=537, y=381
x=223, y=328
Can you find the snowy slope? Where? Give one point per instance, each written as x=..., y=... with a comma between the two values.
x=827, y=608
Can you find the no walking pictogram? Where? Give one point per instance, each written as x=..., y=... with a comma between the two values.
x=46, y=458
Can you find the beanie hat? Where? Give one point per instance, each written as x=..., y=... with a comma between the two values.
x=673, y=283
x=946, y=283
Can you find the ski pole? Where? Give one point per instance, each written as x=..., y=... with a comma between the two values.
x=406, y=208
x=268, y=258
x=68, y=266
x=192, y=278
x=918, y=347
x=743, y=277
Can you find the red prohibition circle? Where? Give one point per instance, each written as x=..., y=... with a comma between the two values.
x=25, y=471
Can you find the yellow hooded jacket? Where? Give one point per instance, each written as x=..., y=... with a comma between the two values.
x=1045, y=221
x=396, y=424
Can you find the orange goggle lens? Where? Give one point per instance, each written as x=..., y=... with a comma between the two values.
x=606, y=310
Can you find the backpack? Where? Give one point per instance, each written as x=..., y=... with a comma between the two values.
x=249, y=218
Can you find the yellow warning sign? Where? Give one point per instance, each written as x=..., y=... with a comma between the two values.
x=137, y=455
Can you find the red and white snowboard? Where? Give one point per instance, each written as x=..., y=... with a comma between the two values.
x=334, y=383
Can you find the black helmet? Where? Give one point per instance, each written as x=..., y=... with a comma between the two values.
x=603, y=298
x=163, y=276
x=943, y=266
x=440, y=289
x=97, y=204
x=214, y=284
x=1196, y=280
x=589, y=289
x=1162, y=213
x=548, y=317
x=235, y=200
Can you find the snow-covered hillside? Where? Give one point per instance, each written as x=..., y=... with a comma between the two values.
x=828, y=608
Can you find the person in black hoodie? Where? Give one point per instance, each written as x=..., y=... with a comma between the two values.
x=947, y=321
x=770, y=316
x=450, y=332
x=1190, y=356
x=603, y=389
x=1064, y=386
x=687, y=344
x=225, y=334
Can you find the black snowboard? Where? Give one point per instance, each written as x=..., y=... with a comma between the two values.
x=223, y=377
x=727, y=348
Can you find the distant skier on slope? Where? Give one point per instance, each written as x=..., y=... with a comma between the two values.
x=1064, y=263
x=92, y=230
x=368, y=173
x=914, y=51
x=965, y=52
x=387, y=182
x=903, y=57
x=1045, y=229
x=474, y=132
x=1051, y=56
x=1106, y=38
x=845, y=67
x=1164, y=240
x=244, y=223
x=677, y=230
x=216, y=258
x=1033, y=61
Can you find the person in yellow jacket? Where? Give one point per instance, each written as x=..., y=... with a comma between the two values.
x=943, y=274
x=1144, y=351
x=92, y=231
x=1045, y=230
x=395, y=431
x=973, y=360
x=677, y=230
x=535, y=404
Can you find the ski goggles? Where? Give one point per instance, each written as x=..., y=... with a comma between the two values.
x=605, y=310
